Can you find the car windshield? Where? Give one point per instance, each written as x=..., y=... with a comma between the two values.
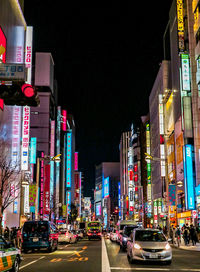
x=149, y=236
x=128, y=230
x=35, y=228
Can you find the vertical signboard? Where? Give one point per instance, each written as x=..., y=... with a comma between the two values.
x=68, y=200
x=25, y=138
x=185, y=69
x=64, y=120
x=41, y=184
x=33, y=149
x=52, y=154
x=2, y=46
x=16, y=135
x=155, y=208
x=106, y=187
x=28, y=52
x=189, y=177
x=149, y=198
x=57, y=165
x=162, y=146
x=26, y=199
x=180, y=24
x=119, y=199
x=76, y=161
x=68, y=158
x=46, y=189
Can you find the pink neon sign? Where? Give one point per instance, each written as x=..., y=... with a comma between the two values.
x=64, y=120
x=76, y=161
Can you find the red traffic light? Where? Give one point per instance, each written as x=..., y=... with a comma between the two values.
x=28, y=90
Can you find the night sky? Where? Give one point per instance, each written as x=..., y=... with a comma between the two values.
x=106, y=59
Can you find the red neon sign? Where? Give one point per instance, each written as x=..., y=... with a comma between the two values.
x=2, y=46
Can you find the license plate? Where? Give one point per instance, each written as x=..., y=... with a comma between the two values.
x=35, y=239
x=153, y=256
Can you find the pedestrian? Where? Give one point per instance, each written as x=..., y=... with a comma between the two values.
x=7, y=234
x=19, y=238
x=193, y=235
x=13, y=236
x=186, y=235
x=174, y=237
x=178, y=235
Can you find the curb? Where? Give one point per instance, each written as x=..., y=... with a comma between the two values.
x=173, y=246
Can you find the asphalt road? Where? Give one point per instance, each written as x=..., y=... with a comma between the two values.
x=183, y=260
x=84, y=256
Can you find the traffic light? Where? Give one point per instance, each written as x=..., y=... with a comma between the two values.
x=19, y=93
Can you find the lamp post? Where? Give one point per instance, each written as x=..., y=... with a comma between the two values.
x=45, y=158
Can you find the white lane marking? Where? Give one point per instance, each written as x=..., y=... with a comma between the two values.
x=104, y=257
x=154, y=269
x=31, y=262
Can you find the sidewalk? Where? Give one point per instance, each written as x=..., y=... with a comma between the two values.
x=188, y=247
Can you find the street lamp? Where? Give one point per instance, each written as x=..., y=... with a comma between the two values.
x=45, y=158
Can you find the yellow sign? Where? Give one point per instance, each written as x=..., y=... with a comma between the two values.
x=184, y=214
x=180, y=23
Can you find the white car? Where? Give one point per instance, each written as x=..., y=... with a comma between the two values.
x=113, y=236
x=66, y=236
x=148, y=245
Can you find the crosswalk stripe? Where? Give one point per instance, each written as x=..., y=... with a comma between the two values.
x=155, y=269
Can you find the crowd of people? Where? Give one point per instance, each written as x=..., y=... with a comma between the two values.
x=13, y=236
x=187, y=233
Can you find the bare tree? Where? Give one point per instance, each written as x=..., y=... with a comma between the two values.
x=9, y=184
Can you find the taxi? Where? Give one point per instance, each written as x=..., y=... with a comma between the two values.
x=10, y=257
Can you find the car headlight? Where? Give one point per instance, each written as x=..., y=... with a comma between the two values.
x=167, y=247
x=124, y=239
x=136, y=246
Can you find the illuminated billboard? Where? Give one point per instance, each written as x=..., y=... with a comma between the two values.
x=16, y=135
x=2, y=46
x=106, y=187
x=68, y=201
x=180, y=24
x=64, y=120
x=189, y=177
x=98, y=209
x=76, y=161
x=68, y=158
x=33, y=145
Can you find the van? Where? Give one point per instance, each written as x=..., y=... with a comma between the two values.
x=39, y=234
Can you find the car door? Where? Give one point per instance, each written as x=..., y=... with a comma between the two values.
x=7, y=255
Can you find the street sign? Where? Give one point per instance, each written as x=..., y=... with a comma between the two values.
x=12, y=72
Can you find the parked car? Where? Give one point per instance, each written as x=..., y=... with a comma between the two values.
x=148, y=245
x=125, y=234
x=10, y=257
x=94, y=234
x=121, y=226
x=66, y=236
x=39, y=234
x=80, y=234
x=114, y=235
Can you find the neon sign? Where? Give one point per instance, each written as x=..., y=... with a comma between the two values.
x=68, y=158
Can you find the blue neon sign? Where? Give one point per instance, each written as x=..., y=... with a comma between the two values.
x=33, y=145
x=119, y=198
x=106, y=187
x=189, y=178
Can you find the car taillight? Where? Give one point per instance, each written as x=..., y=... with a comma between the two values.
x=74, y=236
x=89, y=233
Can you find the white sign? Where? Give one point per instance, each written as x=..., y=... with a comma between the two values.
x=26, y=199
x=28, y=52
x=16, y=135
x=25, y=138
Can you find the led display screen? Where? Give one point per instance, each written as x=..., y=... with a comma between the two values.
x=189, y=179
x=106, y=187
x=98, y=209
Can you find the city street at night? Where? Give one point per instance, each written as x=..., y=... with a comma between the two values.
x=99, y=136
x=86, y=256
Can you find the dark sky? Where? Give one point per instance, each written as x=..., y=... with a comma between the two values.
x=106, y=59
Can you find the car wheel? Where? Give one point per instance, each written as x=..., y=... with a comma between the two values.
x=15, y=267
x=49, y=249
x=130, y=258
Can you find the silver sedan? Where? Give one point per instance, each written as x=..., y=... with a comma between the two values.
x=148, y=245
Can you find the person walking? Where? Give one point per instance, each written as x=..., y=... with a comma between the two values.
x=193, y=235
x=19, y=238
x=178, y=235
x=186, y=235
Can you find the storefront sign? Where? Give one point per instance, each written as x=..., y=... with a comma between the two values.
x=180, y=23
x=2, y=46
x=188, y=177
x=28, y=52
x=68, y=158
x=25, y=138
x=46, y=189
x=33, y=149
x=16, y=135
